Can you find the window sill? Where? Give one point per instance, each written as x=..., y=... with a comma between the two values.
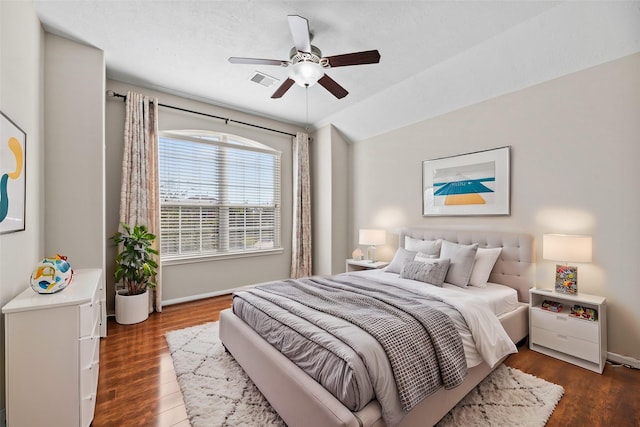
x=218, y=257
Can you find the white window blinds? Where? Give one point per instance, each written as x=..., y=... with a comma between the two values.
x=219, y=194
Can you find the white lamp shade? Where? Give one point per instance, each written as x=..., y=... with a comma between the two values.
x=306, y=73
x=563, y=247
x=372, y=237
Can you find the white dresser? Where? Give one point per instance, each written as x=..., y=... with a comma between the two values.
x=52, y=354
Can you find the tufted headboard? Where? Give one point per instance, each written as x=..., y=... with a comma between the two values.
x=514, y=267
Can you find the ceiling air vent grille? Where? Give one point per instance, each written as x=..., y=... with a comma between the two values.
x=263, y=79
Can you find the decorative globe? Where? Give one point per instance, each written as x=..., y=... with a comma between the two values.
x=51, y=275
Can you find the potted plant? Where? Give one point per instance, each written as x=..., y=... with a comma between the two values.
x=135, y=271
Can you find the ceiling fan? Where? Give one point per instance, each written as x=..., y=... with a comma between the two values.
x=307, y=62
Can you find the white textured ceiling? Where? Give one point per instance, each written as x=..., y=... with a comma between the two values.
x=436, y=56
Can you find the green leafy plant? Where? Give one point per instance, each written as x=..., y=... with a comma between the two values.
x=135, y=266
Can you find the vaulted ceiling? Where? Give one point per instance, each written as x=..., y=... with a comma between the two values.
x=436, y=56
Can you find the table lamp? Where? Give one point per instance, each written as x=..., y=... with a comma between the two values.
x=566, y=248
x=372, y=238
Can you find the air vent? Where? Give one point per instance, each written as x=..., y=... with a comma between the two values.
x=263, y=79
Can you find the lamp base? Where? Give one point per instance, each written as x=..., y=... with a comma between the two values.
x=566, y=279
x=371, y=253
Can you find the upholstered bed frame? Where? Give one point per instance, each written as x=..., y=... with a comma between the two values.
x=301, y=401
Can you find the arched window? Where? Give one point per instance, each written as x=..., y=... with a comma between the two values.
x=219, y=195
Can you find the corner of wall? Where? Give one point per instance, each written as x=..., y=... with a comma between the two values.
x=22, y=99
x=330, y=192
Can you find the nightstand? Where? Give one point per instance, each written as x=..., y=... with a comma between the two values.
x=567, y=337
x=358, y=265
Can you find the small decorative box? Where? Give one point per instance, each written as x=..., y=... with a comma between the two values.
x=554, y=306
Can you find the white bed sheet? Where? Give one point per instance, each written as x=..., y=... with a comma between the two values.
x=498, y=299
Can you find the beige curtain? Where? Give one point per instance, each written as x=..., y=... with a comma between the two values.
x=301, y=247
x=139, y=192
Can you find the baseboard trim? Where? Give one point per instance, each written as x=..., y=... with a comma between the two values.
x=200, y=296
x=624, y=360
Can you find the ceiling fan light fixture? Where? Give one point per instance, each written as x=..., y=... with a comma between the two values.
x=307, y=62
x=306, y=73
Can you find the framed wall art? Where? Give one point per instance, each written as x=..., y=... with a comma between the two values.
x=13, y=142
x=468, y=184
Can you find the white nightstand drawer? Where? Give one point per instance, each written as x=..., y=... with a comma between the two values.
x=586, y=350
x=565, y=325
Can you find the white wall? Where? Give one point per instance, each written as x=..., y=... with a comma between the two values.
x=329, y=160
x=74, y=152
x=321, y=207
x=575, y=152
x=74, y=155
x=339, y=200
x=21, y=95
x=187, y=281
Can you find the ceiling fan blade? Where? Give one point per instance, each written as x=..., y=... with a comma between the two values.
x=332, y=86
x=356, y=58
x=258, y=61
x=300, y=32
x=284, y=87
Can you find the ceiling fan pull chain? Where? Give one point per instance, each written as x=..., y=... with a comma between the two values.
x=306, y=93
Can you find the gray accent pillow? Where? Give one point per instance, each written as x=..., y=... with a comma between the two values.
x=462, y=258
x=429, y=247
x=431, y=271
x=399, y=259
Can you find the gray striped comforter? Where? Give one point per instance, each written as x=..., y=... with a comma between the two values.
x=318, y=322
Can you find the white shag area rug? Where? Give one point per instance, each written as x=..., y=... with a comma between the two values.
x=217, y=392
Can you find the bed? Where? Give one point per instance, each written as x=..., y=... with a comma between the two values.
x=302, y=401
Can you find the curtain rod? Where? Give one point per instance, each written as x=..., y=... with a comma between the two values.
x=226, y=119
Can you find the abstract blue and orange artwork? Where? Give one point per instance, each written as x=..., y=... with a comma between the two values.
x=472, y=184
x=467, y=184
x=12, y=176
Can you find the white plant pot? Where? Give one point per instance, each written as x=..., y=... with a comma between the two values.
x=131, y=309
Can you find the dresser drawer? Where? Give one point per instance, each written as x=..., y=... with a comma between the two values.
x=87, y=408
x=89, y=380
x=567, y=344
x=565, y=325
x=89, y=315
x=89, y=350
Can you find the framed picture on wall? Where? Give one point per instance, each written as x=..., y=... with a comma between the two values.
x=467, y=184
x=13, y=142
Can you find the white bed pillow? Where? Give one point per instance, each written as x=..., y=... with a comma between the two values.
x=429, y=247
x=485, y=260
x=462, y=258
x=401, y=257
x=431, y=271
x=422, y=257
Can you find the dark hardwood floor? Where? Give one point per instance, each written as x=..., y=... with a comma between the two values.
x=137, y=385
